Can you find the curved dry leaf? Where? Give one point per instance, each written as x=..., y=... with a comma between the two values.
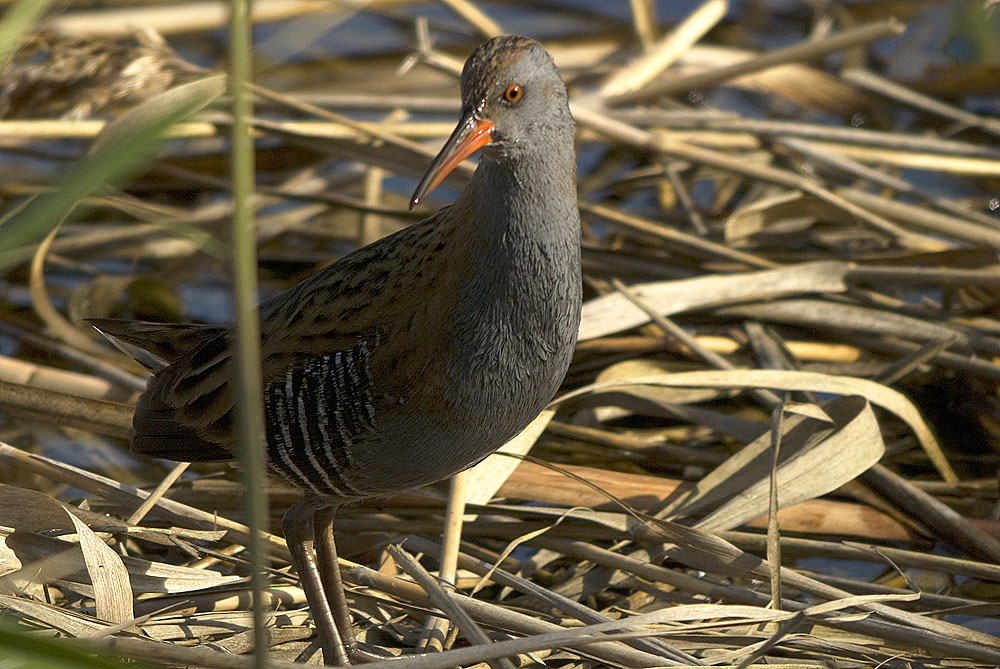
x=859, y=600
x=161, y=577
x=54, y=320
x=815, y=458
x=809, y=410
x=32, y=511
x=112, y=590
x=46, y=559
x=661, y=402
x=825, y=315
x=615, y=313
x=630, y=369
x=57, y=560
x=749, y=219
x=876, y=393
x=612, y=404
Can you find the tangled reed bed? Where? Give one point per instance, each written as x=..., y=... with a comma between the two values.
x=790, y=252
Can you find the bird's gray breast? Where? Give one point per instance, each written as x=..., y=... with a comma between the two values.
x=514, y=337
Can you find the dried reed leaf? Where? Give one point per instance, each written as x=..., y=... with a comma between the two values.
x=613, y=313
x=752, y=217
x=180, y=514
x=31, y=511
x=639, y=72
x=168, y=578
x=639, y=626
x=47, y=559
x=112, y=590
x=213, y=624
x=58, y=560
x=36, y=512
x=816, y=457
x=662, y=402
x=648, y=494
x=631, y=369
x=858, y=600
x=809, y=410
x=611, y=404
x=825, y=315
x=876, y=393
x=70, y=623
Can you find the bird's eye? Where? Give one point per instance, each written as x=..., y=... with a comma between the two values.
x=513, y=94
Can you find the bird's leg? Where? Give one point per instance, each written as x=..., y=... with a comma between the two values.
x=297, y=525
x=329, y=571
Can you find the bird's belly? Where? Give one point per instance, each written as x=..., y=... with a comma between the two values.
x=416, y=425
x=421, y=439
x=417, y=441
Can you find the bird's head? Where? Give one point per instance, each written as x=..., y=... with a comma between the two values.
x=514, y=104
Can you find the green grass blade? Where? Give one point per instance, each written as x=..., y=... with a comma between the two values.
x=18, y=20
x=118, y=151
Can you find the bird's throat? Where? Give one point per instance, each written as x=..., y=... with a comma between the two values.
x=522, y=203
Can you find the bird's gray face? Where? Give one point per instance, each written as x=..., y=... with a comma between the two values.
x=514, y=102
x=519, y=92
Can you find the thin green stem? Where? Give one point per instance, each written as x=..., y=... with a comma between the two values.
x=249, y=428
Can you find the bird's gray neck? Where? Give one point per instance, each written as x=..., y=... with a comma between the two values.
x=515, y=205
x=521, y=241
x=518, y=309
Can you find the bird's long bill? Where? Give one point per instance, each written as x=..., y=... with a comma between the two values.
x=470, y=135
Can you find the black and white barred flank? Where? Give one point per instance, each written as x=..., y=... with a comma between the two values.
x=316, y=415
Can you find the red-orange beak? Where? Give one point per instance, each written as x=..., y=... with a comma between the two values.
x=470, y=135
